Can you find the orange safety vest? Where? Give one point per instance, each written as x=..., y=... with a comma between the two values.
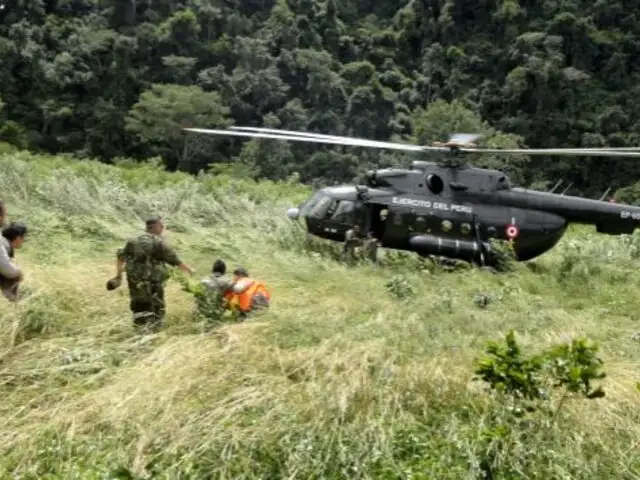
x=250, y=289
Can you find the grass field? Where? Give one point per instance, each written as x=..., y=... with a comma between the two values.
x=341, y=379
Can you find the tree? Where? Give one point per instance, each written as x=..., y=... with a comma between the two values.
x=442, y=119
x=159, y=116
x=558, y=74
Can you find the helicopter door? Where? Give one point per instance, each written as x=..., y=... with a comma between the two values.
x=378, y=218
x=362, y=216
x=397, y=228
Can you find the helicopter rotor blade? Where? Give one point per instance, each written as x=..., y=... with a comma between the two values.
x=555, y=151
x=444, y=147
x=334, y=140
x=611, y=149
x=278, y=131
x=340, y=140
x=458, y=139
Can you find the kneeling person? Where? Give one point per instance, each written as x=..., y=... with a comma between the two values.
x=247, y=294
x=218, y=282
x=211, y=302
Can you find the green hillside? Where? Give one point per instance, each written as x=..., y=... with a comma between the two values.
x=343, y=378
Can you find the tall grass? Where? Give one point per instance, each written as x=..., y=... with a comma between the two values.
x=341, y=379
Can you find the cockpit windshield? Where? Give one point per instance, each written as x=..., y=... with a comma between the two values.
x=344, y=213
x=309, y=205
x=323, y=207
x=320, y=209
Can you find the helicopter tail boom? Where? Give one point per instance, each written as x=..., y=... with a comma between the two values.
x=611, y=218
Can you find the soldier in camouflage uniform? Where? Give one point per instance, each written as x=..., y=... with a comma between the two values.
x=352, y=239
x=371, y=247
x=144, y=259
x=218, y=283
x=212, y=303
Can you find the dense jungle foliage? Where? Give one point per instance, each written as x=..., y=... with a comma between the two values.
x=113, y=78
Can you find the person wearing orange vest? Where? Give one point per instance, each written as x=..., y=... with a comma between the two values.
x=247, y=294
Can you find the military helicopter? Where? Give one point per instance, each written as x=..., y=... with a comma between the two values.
x=448, y=208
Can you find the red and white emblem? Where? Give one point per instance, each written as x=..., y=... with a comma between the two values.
x=512, y=231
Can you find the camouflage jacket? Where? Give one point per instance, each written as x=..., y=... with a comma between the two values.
x=146, y=258
x=217, y=283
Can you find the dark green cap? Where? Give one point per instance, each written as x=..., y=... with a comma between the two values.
x=152, y=220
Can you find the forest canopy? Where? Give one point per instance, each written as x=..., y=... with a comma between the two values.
x=119, y=78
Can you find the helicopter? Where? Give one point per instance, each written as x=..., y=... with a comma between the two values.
x=449, y=208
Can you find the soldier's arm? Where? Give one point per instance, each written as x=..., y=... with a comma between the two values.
x=227, y=285
x=121, y=258
x=238, y=289
x=170, y=257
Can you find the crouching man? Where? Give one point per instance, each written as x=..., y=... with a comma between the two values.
x=247, y=294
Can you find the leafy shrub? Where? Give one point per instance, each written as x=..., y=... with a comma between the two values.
x=528, y=380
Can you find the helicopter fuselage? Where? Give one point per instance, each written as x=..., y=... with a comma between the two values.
x=449, y=209
x=435, y=210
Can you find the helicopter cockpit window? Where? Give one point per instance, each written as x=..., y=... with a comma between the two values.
x=435, y=183
x=307, y=206
x=333, y=206
x=319, y=209
x=345, y=213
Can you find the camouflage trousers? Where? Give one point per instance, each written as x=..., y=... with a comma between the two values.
x=370, y=248
x=147, y=303
x=210, y=305
x=349, y=250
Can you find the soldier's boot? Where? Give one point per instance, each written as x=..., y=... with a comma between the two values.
x=159, y=312
x=144, y=321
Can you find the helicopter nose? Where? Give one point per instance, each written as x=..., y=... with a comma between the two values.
x=293, y=213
